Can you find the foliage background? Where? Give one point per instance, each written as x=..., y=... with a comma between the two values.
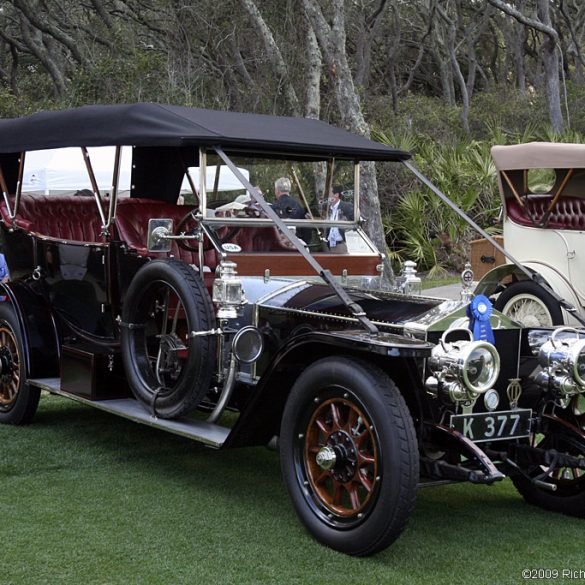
x=444, y=79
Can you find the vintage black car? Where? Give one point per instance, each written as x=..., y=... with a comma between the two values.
x=236, y=322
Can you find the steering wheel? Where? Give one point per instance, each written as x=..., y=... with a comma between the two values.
x=179, y=229
x=207, y=245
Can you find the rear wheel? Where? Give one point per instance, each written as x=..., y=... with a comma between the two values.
x=18, y=400
x=349, y=455
x=529, y=304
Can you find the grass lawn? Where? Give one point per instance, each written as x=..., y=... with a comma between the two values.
x=89, y=498
x=434, y=282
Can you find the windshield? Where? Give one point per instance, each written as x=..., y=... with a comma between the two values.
x=297, y=190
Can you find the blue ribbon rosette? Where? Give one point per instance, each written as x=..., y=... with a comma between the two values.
x=478, y=312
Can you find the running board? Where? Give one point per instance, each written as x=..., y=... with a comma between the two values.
x=198, y=430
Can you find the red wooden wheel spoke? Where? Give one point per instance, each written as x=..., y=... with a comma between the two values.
x=365, y=459
x=323, y=426
x=336, y=416
x=365, y=482
x=361, y=438
x=354, y=497
x=321, y=479
x=337, y=494
x=352, y=419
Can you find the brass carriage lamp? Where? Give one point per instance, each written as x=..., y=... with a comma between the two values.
x=228, y=293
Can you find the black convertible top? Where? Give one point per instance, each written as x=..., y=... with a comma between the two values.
x=147, y=125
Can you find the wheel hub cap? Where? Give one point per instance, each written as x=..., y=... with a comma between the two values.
x=326, y=458
x=345, y=455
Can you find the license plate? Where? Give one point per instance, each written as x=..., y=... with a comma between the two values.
x=493, y=426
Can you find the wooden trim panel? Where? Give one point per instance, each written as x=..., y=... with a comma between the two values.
x=290, y=264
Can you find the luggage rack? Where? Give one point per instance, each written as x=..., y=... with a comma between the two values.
x=208, y=433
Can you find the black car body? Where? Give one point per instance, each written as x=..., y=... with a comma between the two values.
x=232, y=324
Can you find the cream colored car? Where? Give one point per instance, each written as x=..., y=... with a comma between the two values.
x=542, y=186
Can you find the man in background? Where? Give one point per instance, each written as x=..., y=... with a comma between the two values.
x=285, y=205
x=338, y=211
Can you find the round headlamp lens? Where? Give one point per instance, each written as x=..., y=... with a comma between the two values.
x=481, y=367
x=579, y=363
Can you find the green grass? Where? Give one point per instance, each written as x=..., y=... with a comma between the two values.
x=434, y=282
x=89, y=498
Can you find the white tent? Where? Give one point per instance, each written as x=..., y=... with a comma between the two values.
x=63, y=170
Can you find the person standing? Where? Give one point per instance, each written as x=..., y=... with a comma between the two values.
x=286, y=206
x=338, y=211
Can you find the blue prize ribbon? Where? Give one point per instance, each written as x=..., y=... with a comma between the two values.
x=479, y=311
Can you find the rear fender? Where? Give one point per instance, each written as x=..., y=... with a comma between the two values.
x=39, y=332
x=260, y=419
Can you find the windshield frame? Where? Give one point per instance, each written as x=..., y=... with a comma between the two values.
x=264, y=221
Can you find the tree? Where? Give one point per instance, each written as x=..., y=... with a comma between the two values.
x=332, y=40
x=548, y=50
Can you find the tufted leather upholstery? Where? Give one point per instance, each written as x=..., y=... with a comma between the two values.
x=74, y=218
x=58, y=216
x=567, y=214
x=132, y=216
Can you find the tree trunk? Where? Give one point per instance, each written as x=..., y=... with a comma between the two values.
x=332, y=42
x=548, y=54
x=274, y=56
x=551, y=68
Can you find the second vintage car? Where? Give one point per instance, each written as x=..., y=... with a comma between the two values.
x=543, y=206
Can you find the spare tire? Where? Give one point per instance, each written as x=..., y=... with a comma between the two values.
x=168, y=368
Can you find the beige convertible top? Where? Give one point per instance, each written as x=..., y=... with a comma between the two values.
x=539, y=155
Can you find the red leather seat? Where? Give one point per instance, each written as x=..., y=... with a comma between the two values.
x=132, y=217
x=567, y=214
x=58, y=216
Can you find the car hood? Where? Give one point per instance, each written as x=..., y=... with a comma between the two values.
x=394, y=310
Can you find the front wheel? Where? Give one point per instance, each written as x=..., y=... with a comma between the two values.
x=349, y=455
x=568, y=493
x=529, y=304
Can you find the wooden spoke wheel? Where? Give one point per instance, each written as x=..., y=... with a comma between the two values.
x=18, y=401
x=10, y=367
x=349, y=455
x=342, y=457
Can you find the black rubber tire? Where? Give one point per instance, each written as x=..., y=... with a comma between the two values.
x=526, y=287
x=392, y=498
x=24, y=407
x=194, y=380
x=569, y=498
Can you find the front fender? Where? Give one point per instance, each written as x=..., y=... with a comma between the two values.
x=39, y=332
x=492, y=280
x=260, y=419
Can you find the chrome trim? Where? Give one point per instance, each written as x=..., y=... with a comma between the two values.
x=356, y=191
x=226, y=392
x=203, y=180
x=285, y=288
x=330, y=316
